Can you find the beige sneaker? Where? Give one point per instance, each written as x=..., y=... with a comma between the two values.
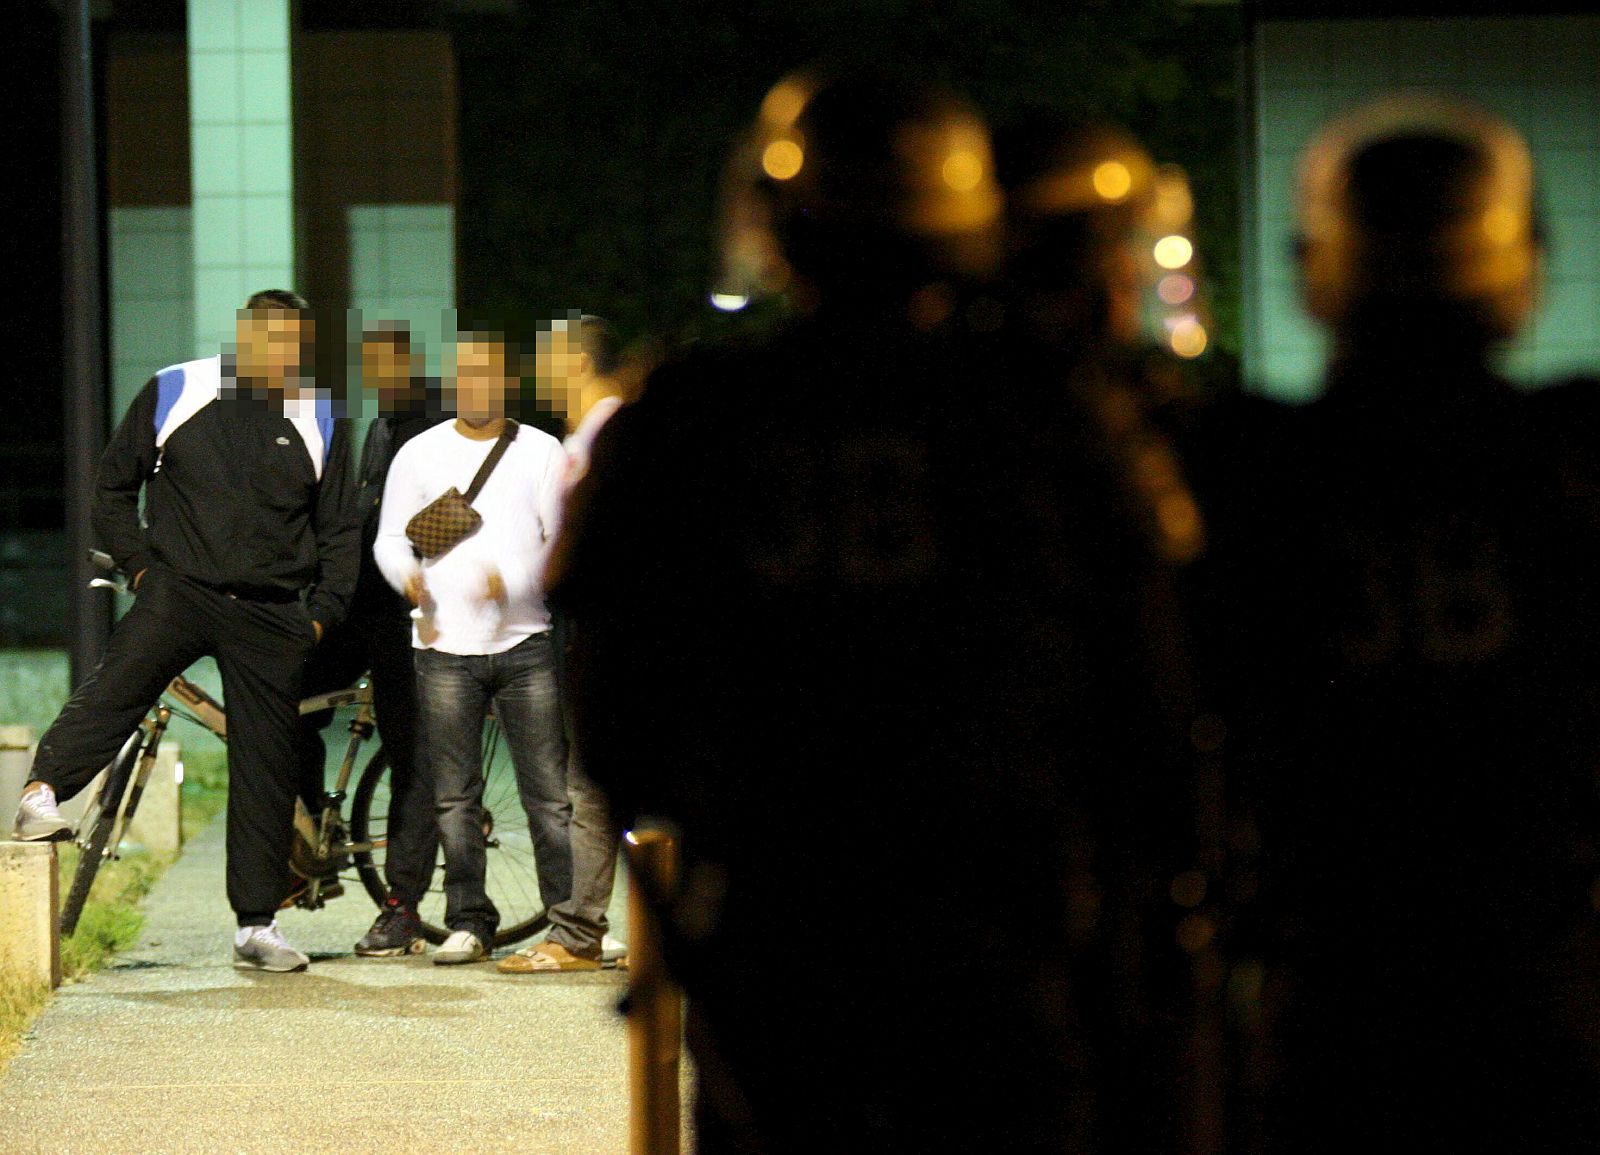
x=461, y=947
x=38, y=820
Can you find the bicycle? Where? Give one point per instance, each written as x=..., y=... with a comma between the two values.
x=325, y=844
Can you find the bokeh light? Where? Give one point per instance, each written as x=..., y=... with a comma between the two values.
x=784, y=103
x=1174, y=252
x=963, y=170
x=782, y=159
x=1188, y=338
x=1174, y=203
x=1175, y=289
x=1112, y=180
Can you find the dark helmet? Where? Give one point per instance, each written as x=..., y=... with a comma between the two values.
x=863, y=180
x=1098, y=235
x=1419, y=200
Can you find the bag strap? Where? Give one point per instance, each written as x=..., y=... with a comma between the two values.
x=507, y=435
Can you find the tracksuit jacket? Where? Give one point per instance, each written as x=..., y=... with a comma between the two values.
x=239, y=496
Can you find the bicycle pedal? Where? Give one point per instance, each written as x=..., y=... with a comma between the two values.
x=300, y=894
x=324, y=893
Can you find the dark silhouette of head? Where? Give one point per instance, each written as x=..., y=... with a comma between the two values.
x=1078, y=192
x=1417, y=210
x=858, y=185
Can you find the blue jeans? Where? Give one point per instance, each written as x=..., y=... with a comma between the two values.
x=454, y=692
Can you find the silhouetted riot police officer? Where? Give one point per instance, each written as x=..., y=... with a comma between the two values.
x=1426, y=642
x=1085, y=203
x=846, y=630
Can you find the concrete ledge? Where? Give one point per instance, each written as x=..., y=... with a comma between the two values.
x=158, y=823
x=30, y=907
x=16, y=760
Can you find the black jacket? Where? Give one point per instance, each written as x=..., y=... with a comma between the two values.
x=385, y=437
x=232, y=500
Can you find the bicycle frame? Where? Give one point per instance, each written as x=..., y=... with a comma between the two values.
x=206, y=710
x=154, y=727
x=195, y=705
x=361, y=729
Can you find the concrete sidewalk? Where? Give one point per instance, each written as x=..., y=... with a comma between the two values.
x=172, y=1050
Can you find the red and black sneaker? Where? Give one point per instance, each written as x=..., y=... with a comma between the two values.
x=397, y=931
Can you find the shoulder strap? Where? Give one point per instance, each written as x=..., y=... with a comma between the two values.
x=507, y=436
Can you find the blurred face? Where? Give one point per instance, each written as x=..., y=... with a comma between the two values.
x=561, y=368
x=273, y=345
x=482, y=380
x=387, y=371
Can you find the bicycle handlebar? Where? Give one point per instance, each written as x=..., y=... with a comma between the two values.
x=115, y=579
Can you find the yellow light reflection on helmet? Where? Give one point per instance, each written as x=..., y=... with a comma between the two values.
x=1112, y=180
x=1502, y=224
x=782, y=160
x=963, y=170
x=784, y=103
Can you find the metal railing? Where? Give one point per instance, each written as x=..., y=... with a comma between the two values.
x=655, y=1005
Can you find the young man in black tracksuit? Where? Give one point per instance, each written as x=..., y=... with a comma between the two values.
x=247, y=552
x=376, y=637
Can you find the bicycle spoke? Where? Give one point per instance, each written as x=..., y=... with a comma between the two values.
x=496, y=794
x=521, y=873
x=518, y=855
x=511, y=910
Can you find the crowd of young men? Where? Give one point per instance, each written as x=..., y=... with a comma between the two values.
x=264, y=546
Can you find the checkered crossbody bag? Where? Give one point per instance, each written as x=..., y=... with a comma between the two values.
x=449, y=519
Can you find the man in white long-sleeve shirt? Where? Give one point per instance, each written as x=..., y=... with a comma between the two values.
x=580, y=375
x=482, y=634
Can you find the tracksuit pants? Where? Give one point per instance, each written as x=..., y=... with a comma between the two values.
x=261, y=648
x=377, y=637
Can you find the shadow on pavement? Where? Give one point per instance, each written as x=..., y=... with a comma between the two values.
x=268, y=992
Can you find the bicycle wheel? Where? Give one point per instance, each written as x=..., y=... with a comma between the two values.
x=99, y=820
x=511, y=876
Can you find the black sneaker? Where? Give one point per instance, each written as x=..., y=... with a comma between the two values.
x=397, y=931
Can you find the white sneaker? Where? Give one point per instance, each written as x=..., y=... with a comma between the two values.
x=612, y=949
x=38, y=820
x=263, y=948
x=461, y=947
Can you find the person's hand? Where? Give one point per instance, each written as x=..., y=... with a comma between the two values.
x=316, y=628
x=494, y=587
x=415, y=588
x=137, y=578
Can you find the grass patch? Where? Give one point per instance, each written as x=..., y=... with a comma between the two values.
x=111, y=918
x=205, y=788
x=20, y=1002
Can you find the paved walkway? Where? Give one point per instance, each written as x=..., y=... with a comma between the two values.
x=172, y=1050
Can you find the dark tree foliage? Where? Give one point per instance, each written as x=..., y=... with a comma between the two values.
x=593, y=134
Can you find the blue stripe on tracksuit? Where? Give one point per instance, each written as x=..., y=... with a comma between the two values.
x=169, y=387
